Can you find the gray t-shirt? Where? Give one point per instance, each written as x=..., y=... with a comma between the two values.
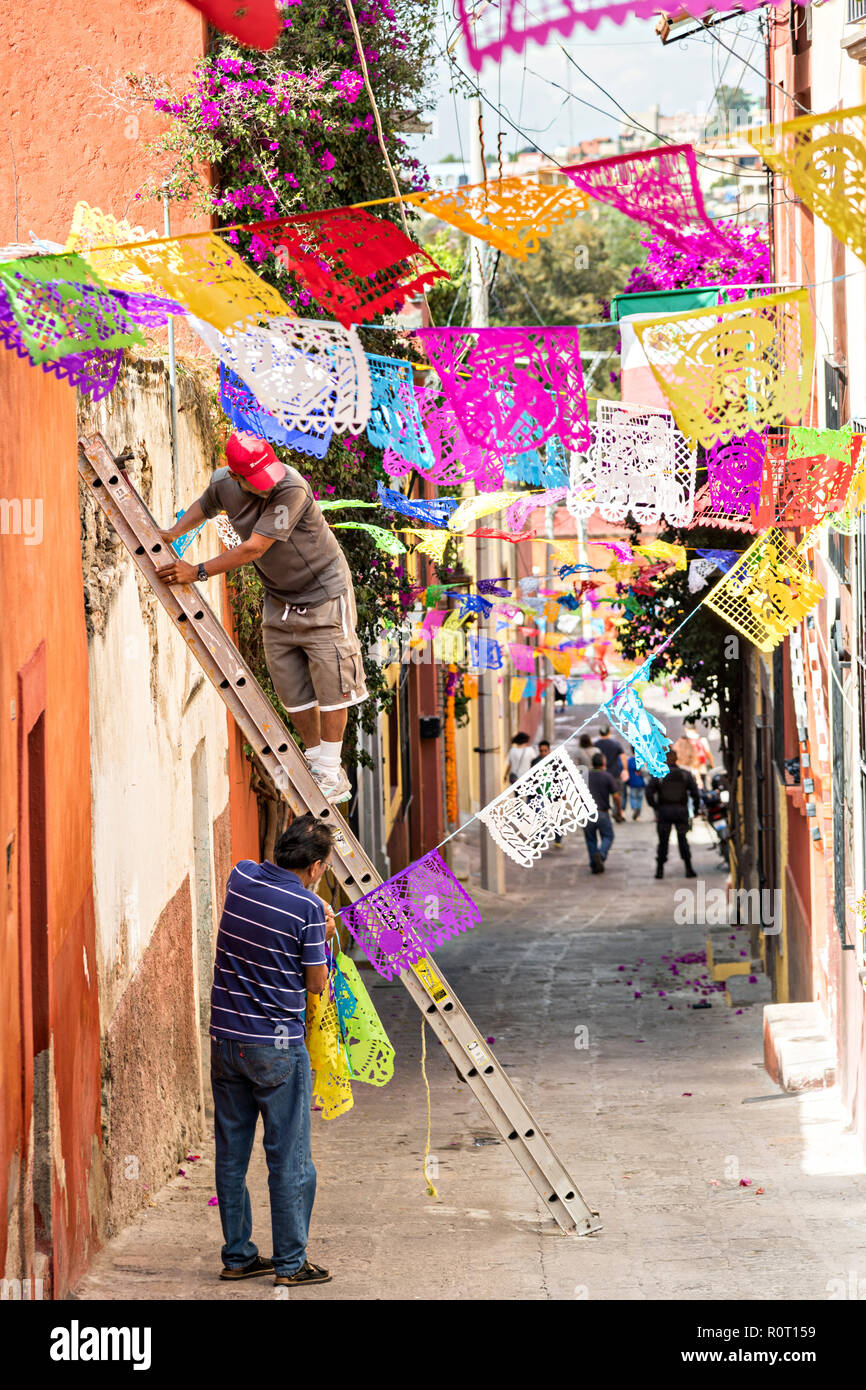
x=305, y=565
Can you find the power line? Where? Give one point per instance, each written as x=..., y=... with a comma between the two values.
x=806, y=109
x=630, y=120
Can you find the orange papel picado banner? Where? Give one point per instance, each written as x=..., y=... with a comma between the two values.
x=510, y=213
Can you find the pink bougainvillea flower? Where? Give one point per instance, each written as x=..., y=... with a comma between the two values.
x=327, y=160
x=213, y=1201
x=745, y=1182
x=349, y=85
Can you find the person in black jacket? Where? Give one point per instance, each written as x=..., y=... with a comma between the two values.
x=669, y=798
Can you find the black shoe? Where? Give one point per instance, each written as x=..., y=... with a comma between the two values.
x=597, y=863
x=307, y=1274
x=660, y=873
x=258, y=1266
x=690, y=873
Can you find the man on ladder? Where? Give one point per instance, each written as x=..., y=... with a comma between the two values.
x=309, y=623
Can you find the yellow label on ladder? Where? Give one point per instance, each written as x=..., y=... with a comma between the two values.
x=430, y=980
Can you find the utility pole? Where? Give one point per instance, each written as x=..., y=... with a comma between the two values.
x=490, y=751
x=550, y=691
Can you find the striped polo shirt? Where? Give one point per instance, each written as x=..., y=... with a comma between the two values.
x=271, y=929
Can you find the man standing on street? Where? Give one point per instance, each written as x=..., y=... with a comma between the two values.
x=270, y=952
x=309, y=624
x=693, y=751
x=599, y=833
x=669, y=798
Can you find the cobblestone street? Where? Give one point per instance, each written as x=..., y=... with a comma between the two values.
x=660, y=1118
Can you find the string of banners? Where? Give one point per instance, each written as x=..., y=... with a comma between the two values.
x=764, y=594
x=355, y=265
x=490, y=30
x=727, y=374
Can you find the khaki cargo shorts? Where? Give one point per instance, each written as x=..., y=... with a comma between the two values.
x=313, y=653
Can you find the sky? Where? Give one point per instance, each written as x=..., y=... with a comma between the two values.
x=628, y=60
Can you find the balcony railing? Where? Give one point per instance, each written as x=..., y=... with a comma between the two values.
x=856, y=11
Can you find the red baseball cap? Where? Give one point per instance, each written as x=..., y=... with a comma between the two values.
x=254, y=460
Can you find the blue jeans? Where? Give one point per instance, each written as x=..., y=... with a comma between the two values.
x=248, y=1080
x=596, y=830
x=635, y=798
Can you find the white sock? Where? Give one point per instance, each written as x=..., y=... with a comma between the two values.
x=330, y=755
x=313, y=755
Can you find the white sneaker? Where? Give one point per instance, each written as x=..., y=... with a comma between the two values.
x=333, y=784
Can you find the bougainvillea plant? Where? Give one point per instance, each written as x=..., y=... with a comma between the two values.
x=266, y=134
x=261, y=135
x=666, y=268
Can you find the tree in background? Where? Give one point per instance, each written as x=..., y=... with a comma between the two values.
x=732, y=110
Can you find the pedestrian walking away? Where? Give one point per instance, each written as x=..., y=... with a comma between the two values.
x=309, y=624
x=543, y=751
x=612, y=750
x=636, y=786
x=584, y=752
x=599, y=833
x=270, y=953
x=520, y=757
x=669, y=797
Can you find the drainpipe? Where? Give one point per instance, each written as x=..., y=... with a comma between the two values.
x=172, y=370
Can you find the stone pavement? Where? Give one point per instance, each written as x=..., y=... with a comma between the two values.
x=659, y=1118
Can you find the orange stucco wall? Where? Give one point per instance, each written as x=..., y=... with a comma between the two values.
x=41, y=602
x=74, y=130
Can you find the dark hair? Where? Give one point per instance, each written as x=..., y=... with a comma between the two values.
x=598, y=760
x=585, y=741
x=544, y=743
x=307, y=841
x=520, y=738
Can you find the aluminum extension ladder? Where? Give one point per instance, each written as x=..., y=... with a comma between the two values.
x=219, y=658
